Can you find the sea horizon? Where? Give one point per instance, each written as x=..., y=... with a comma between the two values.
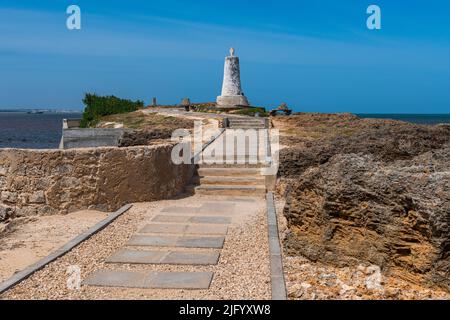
x=416, y=118
x=75, y=110
x=28, y=130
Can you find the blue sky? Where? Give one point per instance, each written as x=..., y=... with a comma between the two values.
x=313, y=55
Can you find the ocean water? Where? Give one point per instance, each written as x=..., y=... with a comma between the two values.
x=32, y=131
x=43, y=131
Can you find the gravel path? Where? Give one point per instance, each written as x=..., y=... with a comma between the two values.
x=242, y=271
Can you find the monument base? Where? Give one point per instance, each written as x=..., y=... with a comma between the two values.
x=231, y=101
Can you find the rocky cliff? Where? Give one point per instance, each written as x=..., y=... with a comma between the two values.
x=371, y=191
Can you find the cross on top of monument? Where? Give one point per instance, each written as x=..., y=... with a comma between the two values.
x=232, y=95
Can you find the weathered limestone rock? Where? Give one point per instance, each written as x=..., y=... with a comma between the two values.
x=5, y=212
x=7, y=196
x=26, y=211
x=377, y=193
x=232, y=94
x=3, y=170
x=354, y=208
x=52, y=181
x=132, y=138
x=37, y=197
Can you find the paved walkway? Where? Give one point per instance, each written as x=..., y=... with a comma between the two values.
x=213, y=245
x=164, y=240
x=197, y=247
x=177, y=236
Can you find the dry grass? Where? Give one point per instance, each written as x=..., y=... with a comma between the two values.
x=316, y=126
x=140, y=120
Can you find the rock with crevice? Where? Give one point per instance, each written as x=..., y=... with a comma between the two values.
x=368, y=191
x=355, y=208
x=144, y=137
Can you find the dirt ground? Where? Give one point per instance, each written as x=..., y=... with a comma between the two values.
x=27, y=240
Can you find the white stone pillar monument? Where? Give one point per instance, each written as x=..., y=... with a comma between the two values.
x=232, y=95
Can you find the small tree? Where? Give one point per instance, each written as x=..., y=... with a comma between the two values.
x=98, y=106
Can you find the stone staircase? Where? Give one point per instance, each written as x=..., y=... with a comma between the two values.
x=236, y=179
x=246, y=123
x=225, y=181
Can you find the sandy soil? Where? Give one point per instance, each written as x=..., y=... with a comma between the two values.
x=242, y=272
x=27, y=240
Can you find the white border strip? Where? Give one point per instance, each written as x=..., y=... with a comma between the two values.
x=275, y=257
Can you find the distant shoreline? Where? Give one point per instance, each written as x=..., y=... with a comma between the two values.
x=38, y=110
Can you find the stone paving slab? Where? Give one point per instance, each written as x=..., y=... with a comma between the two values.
x=192, y=258
x=206, y=229
x=192, y=219
x=134, y=256
x=217, y=207
x=230, y=213
x=212, y=220
x=177, y=241
x=164, y=228
x=170, y=218
x=157, y=241
x=150, y=279
x=184, y=229
x=201, y=242
x=182, y=280
x=163, y=257
x=198, y=211
x=240, y=199
x=105, y=278
x=209, y=207
x=176, y=209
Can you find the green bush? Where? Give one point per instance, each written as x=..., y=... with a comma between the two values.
x=98, y=106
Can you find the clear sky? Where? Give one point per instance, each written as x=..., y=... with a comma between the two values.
x=314, y=55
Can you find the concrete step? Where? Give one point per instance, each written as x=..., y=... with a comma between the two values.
x=259, y=157
x=233, y=165
x=234, y=162
x=227, y=172
x=246, y=122
x=230, y=190
x=227, y=180
x=246, y=126
x=260, y=120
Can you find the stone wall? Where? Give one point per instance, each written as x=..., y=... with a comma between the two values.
x=90, y=137
x=36, y=182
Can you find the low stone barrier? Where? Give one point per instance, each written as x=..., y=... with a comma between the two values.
x=90, y=138
x=35, y=182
